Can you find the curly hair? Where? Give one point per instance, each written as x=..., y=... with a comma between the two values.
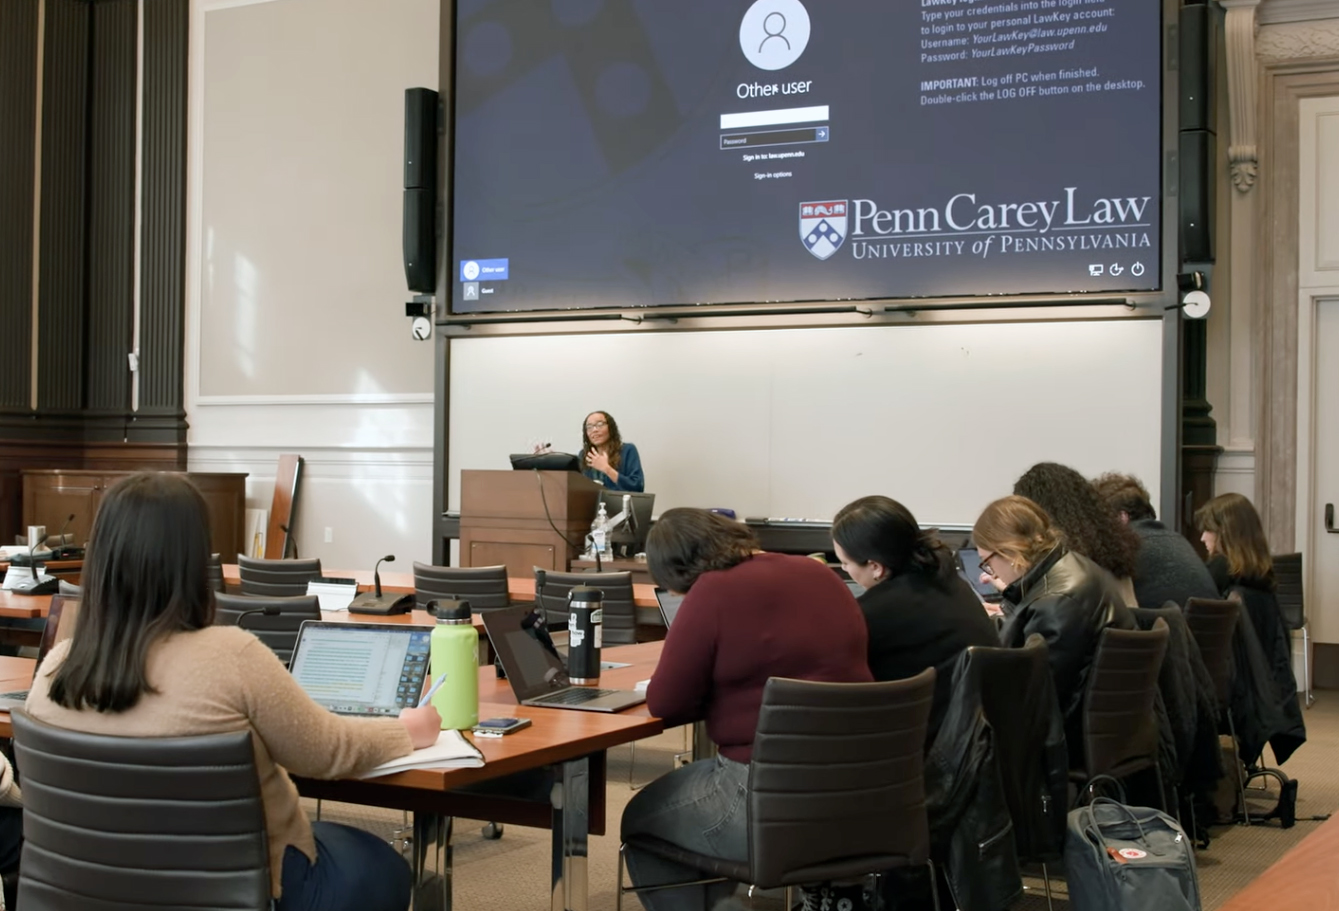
x=1090, y=525
x=615, y=445
x=1125, y=493
x=684, y=543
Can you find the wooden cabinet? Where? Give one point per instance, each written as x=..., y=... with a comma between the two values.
x=50, y=497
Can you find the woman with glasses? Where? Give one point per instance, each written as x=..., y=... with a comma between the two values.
x=1051, y=590
x=606, y=458
x=919, y=611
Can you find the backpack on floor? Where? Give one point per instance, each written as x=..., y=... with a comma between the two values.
x=1120, y=858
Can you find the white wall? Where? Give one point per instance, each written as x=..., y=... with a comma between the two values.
x=798, y=422
x=296, y=336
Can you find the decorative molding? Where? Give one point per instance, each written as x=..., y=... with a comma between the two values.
x=1274, y=11
x=1298, y=41
x=1239, y=36
x=346, y=463
x=353, y=398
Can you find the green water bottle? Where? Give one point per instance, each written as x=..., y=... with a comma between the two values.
x=454, y=651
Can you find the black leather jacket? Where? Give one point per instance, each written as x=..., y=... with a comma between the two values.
x=1068, y=600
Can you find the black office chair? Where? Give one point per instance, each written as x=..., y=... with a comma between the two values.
x=276, y=578
x=214, y=570
x=1214, y=624
x=1019, y=701
x=836, y=787
x=1288, y=578
x=620, y=612
x=126, y=823
x=1120, y=728
x=485, y=587
x=279, y=632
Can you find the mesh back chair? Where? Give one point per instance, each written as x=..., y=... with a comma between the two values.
x=485, y=587
x=1120, y=727
x=279, y=632
x=620, y=613
x=126, y=823
x=214, y=568
x=1288, y=578
x=1213, y=624
x=836, y=786
x=276, y=578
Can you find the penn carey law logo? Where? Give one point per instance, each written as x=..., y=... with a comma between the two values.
x=823, y=226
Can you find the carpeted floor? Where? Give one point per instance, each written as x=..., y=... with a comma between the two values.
x=513, y=872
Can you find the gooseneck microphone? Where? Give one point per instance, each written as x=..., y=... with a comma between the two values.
x=374, y=602
x=376, y=573
x=269, y=610
x=59, y=549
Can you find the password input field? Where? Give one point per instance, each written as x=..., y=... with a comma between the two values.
x=774, y=118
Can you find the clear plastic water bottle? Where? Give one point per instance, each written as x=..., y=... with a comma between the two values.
x=454, y=650
x=598, y=540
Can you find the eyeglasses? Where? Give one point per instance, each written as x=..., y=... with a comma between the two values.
x=596, y=425
x=985, y=563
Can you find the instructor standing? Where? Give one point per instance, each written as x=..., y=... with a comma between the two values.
x=605, y=458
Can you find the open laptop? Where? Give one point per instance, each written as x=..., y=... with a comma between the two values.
x=368, y=669
x=537, y=676
x=59, y=627
x=669, y=604
x=969, y=567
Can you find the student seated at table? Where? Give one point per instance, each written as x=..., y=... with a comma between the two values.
x=1241, y=565
x=919, y=611
x=747, y=616
x=146, y=661
x=1051, y=590
x=1088, y=522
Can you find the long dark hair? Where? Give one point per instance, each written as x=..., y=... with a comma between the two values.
x=615, y=444
x=145, y=576
x=882, y=529
x=1091, y=526
x=684, y=543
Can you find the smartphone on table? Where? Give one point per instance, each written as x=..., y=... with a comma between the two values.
x=497, y=727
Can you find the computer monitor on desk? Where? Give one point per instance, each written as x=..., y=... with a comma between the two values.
x=545, y=461
x=629, y=538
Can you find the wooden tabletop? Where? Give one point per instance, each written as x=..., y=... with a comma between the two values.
x=23, y=607
x=555, y=735
x=518, y=588
x=1305, y=877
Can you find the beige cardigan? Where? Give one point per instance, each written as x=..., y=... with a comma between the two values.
x=222, y=678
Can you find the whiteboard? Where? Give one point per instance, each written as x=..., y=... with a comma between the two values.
x=798, y=422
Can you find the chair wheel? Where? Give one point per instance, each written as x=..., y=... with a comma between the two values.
x=492, y=831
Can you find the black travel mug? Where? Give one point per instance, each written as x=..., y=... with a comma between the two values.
x=585, y=623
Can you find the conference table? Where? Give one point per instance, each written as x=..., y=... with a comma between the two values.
x=572, y=742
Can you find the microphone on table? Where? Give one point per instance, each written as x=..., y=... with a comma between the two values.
x=269, y=610
x=36, y=585
x=61, y=551
x=374, y=602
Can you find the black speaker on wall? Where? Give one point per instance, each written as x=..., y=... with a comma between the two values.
x=420, y=189
x=1198, y=145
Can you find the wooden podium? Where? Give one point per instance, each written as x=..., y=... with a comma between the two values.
x=503, y=518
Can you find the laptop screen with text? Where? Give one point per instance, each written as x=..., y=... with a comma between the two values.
x=362, y=668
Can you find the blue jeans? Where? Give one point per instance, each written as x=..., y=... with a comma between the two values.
x=354, y=871
x=700, y=807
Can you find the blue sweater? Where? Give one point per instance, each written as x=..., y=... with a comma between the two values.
x=629, y=472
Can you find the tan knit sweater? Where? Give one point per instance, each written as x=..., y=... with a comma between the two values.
x=225, y=679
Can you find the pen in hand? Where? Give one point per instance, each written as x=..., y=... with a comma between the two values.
x=432, y=690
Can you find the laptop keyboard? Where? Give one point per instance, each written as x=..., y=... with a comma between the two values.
x=574, y=696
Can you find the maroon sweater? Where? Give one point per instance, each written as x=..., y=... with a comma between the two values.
x=771, y=616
